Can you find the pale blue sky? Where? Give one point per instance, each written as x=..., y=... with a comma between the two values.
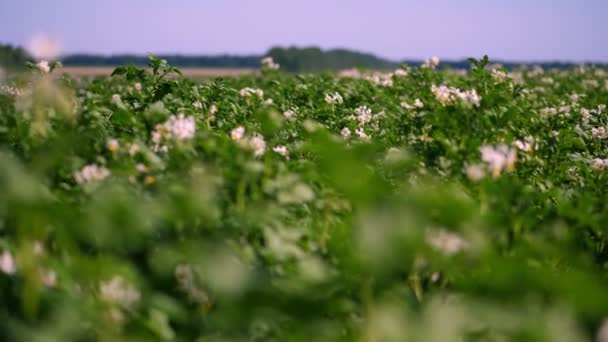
x=575, y=30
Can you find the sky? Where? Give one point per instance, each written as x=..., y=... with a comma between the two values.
x=514, y=30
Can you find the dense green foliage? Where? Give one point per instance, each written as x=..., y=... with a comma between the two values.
x=144, y=207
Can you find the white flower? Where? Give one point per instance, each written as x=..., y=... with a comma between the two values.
x=442, y=93
x=141, y=168
x=289, y=114
x=475, y=172
x=268, y=102
x=269, y=63
x=213, y=109
x=599, y=163
x=431, y=63
x=197, y=104
x=400, y=73
x=499, y=158
x=237, y=133
x=258, y=145
x=181, y=128
x=91, y=173
x=138, y=86
x=134, y=149
x=38, y=248
x=7, y=263
x=406, y=105
x=248, y=92
x=334, y=98
x=599, y=132
x=118, y=291
x=49, y=278
x=345, y=133
x=417, y=104
x=363, y=115
x=527, y=145
x=282, y=150
x=449, y=95
x=446, y=242
x=361, y=134
x=44, y=67
x=472, y=97
x=585, y=116
x=178, y=128
x=116, y=99
x=498, y=75
x=112, y=145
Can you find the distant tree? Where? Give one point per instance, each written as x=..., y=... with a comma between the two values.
x=13, y=58
x=310, y=59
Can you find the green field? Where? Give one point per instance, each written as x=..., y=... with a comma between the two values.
x=423, y=204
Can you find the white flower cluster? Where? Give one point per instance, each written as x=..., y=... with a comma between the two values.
x=248, y=92
x=547, y=112
x=289, y=114
x=400, y=72
x=587, y=114
x=91, y=173
x=529, y=144
x=282, y=150
x=431, y=63
x=381, y=79
x=599, y=164
x=450, y=95
x=384, y=79
x=417, y=104
x=360, y=132
x=590, y=84
x=257, y=144
x=475, y=172
x=268, y=62
x=599, y=132
x=176, y=128
x=363, y=116
x=44, y=67
x=254, y=142
x=446, y=242
x=500, y=158
x=119, y=291
x=346, y=133
x=13, y=91
x=499, y=76
x=334, y=98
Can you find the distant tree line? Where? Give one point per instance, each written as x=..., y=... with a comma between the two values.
x=291, y=59
x=220, y=61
